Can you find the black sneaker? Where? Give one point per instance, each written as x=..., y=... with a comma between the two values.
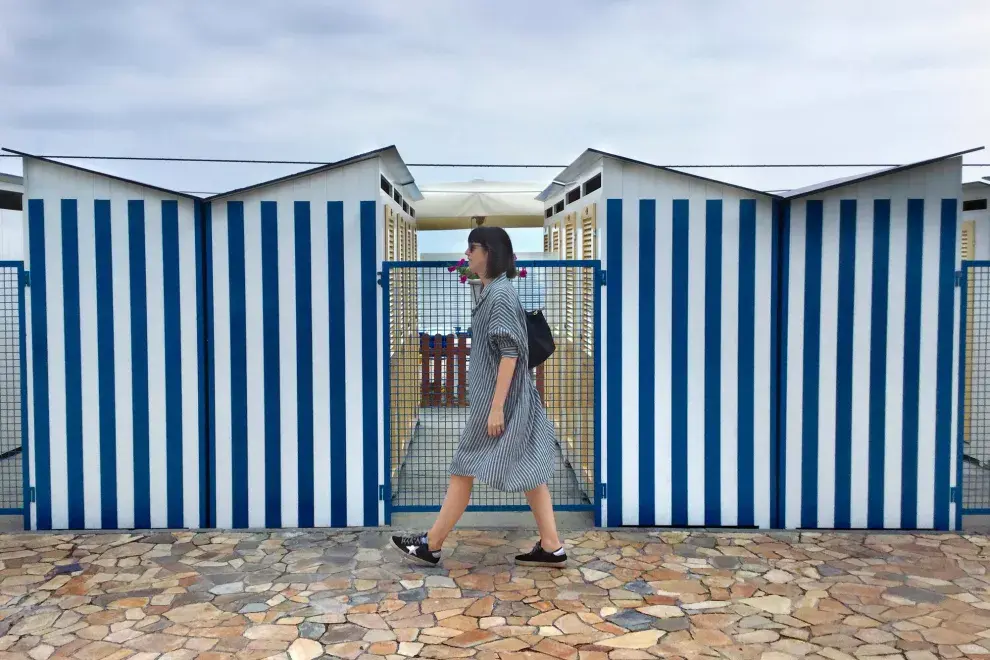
x=417, y=548
x=540, y=557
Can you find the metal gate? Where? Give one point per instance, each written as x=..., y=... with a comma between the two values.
x=973, y=463
x=13, y=415
x=427, y=349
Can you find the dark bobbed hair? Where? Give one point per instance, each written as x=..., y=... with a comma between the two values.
x=498, y=245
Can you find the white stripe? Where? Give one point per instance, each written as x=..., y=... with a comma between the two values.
x=321, y=362
x=255, y=323
x=630, y=363
x=288, y=370
x=795, y=367
x=222, y=428
x=862, y=328
x=729, y=375
x=189, y=319
x=122, y=361
x=663, y=493
x=696, y=360
x=762, y=363
x=155, y=286
x=56, y=365
x=827, y=363
x=352, y=369
x=90, y=365
x=896, y=299
x=928, y=365
x=28, y=372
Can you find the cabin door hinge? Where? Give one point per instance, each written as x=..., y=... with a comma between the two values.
x=958, y=278
x=602, y=491
x=953, y=493
x=601, y=278
x=26, y=278
x=381, y=493
x=31, y=494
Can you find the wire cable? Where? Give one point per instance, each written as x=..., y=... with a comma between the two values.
x=251, y=161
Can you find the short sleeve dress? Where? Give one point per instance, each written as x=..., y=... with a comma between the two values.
x=523, y=456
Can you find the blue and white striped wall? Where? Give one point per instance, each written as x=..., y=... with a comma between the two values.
x=869, y=335
x=294, y=327
x=688, y=349
x=116, y=421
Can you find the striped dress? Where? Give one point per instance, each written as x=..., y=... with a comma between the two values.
x=523, y=456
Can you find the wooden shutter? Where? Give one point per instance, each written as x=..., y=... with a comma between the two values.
x=546, y=238
x=589, y=227
x=389, y=234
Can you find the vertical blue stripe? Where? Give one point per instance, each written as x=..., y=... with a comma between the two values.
x=912, y=363
x=844, y=363
x=210, y=459
x=680, y=215
x=369, y=357
x=613, y=233
x=746, y=361
x=713, y=362
x=139, y=362
x=598, y=397
x=943, y=384
x=647, y=363
x=238, y=365
x=106, y=367
x=75, y=477
x=173, y=362
x=304, y=362
x=778, y=463
x=812, y=354
x=272, y=361
x=878, y=360
x=337, y=375
x=202, y=319
x=39, y=364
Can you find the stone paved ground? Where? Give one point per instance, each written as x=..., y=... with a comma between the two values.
x=625, y=596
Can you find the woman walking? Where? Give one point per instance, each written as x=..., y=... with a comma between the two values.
x=508, y=442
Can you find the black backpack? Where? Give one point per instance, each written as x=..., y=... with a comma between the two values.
x=541, y=344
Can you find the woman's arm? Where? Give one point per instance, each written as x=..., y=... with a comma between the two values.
x=496, y=417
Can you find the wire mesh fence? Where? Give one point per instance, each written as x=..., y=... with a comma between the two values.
x=429, y=358
x=976, y=397
x=11, y=432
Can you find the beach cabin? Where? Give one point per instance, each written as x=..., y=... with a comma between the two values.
x=293, y=309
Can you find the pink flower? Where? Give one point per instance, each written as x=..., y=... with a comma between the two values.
x=451, y=269
x=462, y=262
x=463, y=279
x=522, y=273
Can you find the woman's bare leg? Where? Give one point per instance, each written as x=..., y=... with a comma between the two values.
x=454, y=505
x=542, y=506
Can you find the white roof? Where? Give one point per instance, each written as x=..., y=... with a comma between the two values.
x=490, y=199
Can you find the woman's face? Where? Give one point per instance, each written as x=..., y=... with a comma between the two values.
x=477, y=259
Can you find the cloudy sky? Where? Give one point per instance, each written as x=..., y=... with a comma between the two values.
x=667, y=81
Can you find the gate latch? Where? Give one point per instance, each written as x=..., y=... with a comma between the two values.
x=958, y=277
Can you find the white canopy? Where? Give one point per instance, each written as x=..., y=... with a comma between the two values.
x=501, y=203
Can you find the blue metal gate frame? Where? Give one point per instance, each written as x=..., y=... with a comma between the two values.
x=22, y=280
x=386, y=493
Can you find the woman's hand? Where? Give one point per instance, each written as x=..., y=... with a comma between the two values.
x=496, y=421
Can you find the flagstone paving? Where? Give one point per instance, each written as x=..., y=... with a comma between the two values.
x=624, y=596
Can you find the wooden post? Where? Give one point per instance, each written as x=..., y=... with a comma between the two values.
x=437, y=352
x=424, y=355
x=449, y=352
x=462, y=357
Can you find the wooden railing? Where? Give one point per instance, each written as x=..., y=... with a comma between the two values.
x=444, y=360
